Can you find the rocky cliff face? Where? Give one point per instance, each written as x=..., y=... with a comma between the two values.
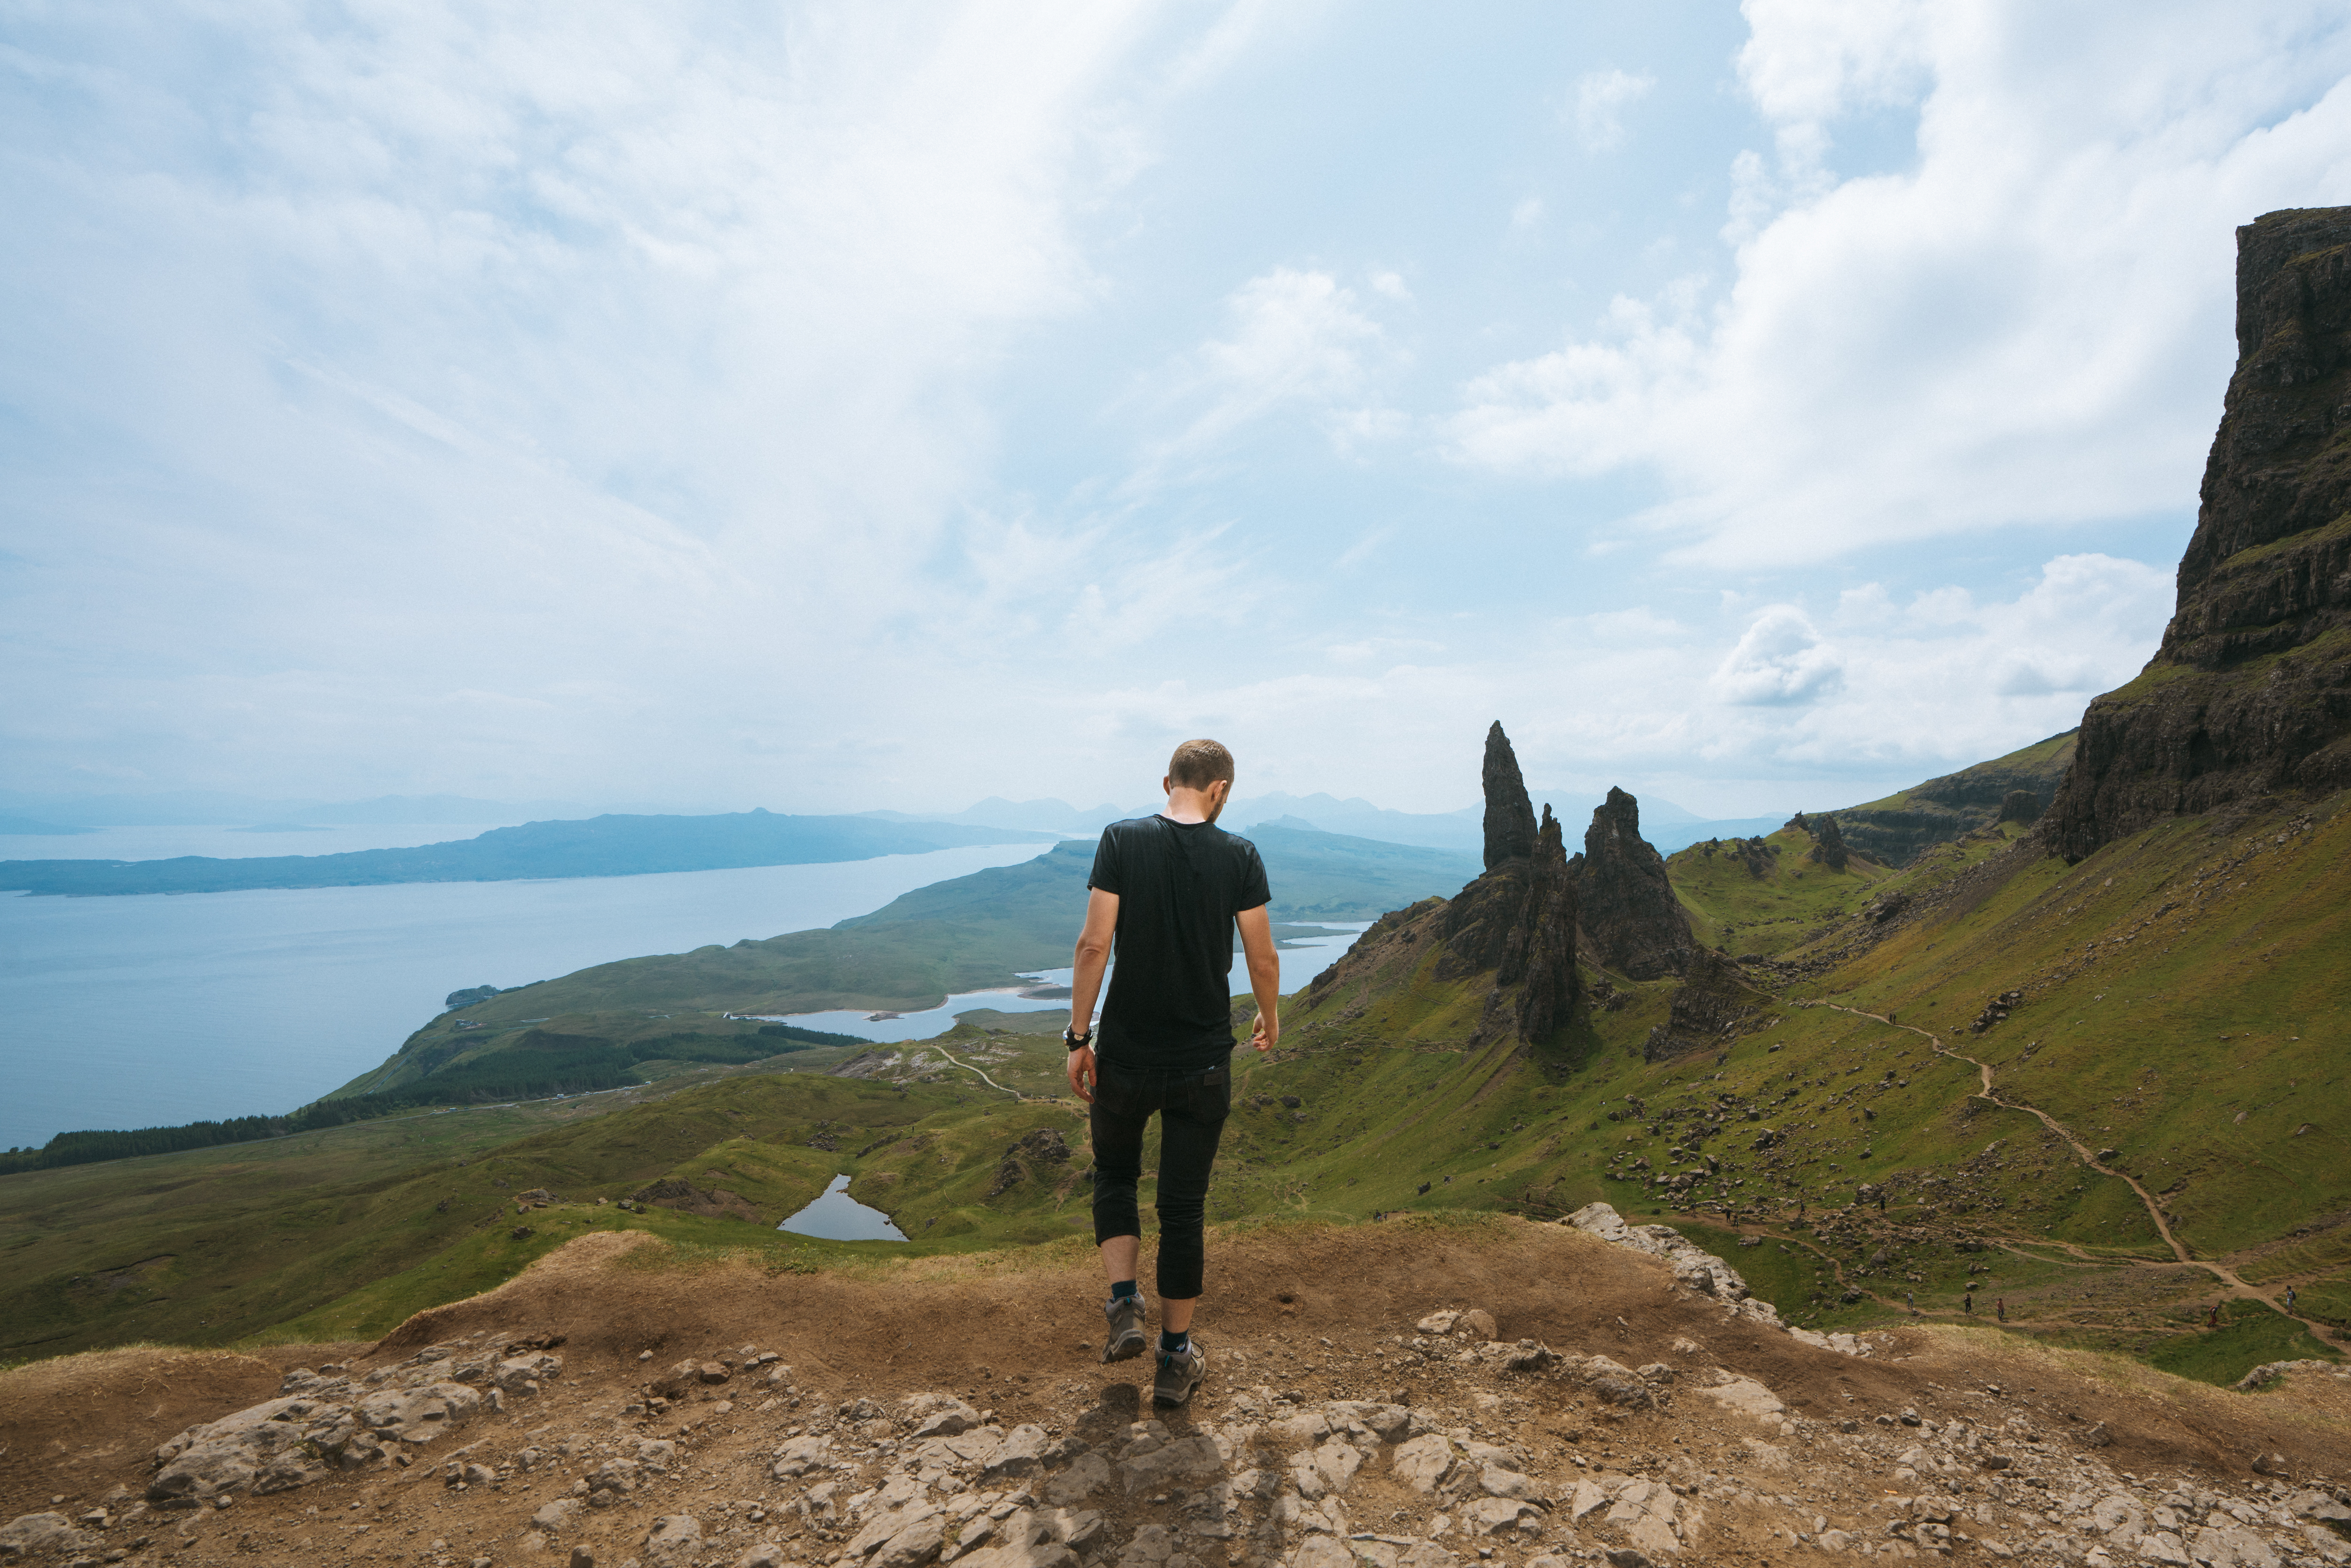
x=2251, y=692
x=1513, y=928
x=1632, y=922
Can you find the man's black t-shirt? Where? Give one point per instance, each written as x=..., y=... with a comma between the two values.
x=1179, y=884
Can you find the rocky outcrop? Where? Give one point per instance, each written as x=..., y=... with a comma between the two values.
x=1715, y=1004
x=1516, y=926
x=1513, y=928
x=327, y=1421
x=673, y=1192
x=1632, y=922
x=1518, y=920
x=1828, y=844
x=1038, y=1150
x=2250, y=695
x=1510, y=814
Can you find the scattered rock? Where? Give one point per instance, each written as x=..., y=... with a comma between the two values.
x=674, y=1540
x=35, y=1535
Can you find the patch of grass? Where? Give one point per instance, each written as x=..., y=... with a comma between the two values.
x=1733, y=908
x=2250, y=1334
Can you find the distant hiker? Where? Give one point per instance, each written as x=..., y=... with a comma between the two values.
x=2212, y=1318
x=1910, y=1299
x=1169, y=889
x=1968, y=1303
x=2001, y=1303
x=2289, y=1298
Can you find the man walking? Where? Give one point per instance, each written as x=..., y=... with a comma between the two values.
x=1169, y=889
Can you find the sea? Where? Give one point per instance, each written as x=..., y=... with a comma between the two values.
x=159, y=1008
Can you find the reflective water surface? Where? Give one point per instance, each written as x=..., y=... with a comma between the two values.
x=835, y=1216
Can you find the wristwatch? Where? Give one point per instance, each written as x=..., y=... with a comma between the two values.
x=1075, y=1041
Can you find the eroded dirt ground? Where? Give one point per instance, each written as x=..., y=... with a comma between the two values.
x=1355, y=1413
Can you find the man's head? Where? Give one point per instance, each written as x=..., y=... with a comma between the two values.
x=1206, y=768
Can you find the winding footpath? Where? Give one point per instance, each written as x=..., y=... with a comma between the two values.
x=1988, y=1092
x=968, y=1067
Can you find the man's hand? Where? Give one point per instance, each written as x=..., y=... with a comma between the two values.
x=1267, y=1031
x=1082, y=1072
x=1264, y=972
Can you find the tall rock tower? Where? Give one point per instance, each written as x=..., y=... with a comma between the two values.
x=1510, y=815
x=1505, y=945
x=2251, y=693
x=1632, y=920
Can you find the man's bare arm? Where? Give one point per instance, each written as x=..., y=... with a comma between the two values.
x=1091, y=959
x=1265, y=975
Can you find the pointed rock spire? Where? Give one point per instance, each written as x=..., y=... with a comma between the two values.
x=1510, y=815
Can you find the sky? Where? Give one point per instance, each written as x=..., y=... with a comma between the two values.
x=838, y=407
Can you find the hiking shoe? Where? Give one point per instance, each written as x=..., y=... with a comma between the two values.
x=1179, y=1372
x=1126, y=1336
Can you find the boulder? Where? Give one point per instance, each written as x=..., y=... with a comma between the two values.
x=1187, y=1458
x=1022, y=1453
x=1424, y=1462
x=673, y=1541
x=32, y=1536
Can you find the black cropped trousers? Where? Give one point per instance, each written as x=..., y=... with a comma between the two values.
x=1191, y=1108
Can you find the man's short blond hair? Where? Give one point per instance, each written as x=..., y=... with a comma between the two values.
x=1198, y=764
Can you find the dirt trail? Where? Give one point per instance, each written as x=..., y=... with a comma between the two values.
x=1734, y=1442
x=1988, y=1092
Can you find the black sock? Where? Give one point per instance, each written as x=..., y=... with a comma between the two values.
x=1124, y=1287
x=1173, y=1343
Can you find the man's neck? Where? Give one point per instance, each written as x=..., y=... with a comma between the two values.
x=1193, y=807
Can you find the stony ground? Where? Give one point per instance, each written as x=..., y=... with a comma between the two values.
x=1416, y=1395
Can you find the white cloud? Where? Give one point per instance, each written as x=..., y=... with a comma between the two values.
x=1600, y=99
x=1299, y=339
x=1780, y=659
x=2028, y=325
x=1760, y=710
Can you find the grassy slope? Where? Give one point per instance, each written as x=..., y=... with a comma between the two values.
x=1896, y=829
x=2183, y=990
x=1731, y=908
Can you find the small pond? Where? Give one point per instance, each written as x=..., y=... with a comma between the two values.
x=836, y=1217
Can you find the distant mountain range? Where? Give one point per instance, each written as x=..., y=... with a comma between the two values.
x=25, y=813
x=599, y=846
x=1668, y=826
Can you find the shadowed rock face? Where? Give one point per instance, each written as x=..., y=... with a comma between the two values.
x=1518, y=921
x=1828, y=844
x=1632, y=920
x=2251, y=692
x=1510, y=815
x=1514, y=926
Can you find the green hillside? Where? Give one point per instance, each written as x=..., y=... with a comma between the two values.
x=1769, y=894
x=1896, y=830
